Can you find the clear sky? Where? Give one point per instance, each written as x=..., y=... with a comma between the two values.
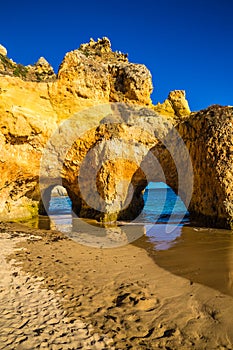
x=186, y=44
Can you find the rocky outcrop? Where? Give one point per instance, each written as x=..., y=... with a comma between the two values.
x=3, y=50
x=175, y=105
x=27, y=119
x=40, y=71
x=34, y=101
x=208, y=135
x=110, y=130
x=95, y=73
x=119, y=156
x=59, y=191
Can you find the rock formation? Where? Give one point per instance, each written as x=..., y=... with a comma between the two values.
x=33, y=103
x=99, y=120
x=175, y=105
x=3, y=50
x=40, y=71
x=208, y=135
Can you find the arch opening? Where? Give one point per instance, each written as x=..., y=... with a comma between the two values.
x=55, y=201
x=55, y=211
x=162, y=204
x=163, y=215
x=60, y=203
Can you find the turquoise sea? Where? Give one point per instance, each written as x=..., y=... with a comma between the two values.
x=202, y=255
x=162, y=210
x=161, y=203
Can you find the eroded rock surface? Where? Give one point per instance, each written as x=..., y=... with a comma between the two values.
x=208, y=135
x=175, y=105
x=107, y=168
x=101, y=103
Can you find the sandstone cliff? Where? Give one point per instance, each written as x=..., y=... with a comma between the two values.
x=208, y=135
x=34, y=100
x=90, y=80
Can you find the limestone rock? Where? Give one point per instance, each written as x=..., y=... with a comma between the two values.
x=123, y=154
x=103, y=75
x=3, y=50
x=179, y=103
x=27, y=120
x=84, y=77
x=7, y=66
x=102, y=50
x=41, y=71
x=208, y=135
x=123, y=141
x=130, y=83
x=175, y=105
x=59, y=191
x=32, y=104
x=42, y=62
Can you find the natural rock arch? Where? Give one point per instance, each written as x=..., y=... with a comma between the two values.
x=134, y=145
x=127, y=145
x=34, y=104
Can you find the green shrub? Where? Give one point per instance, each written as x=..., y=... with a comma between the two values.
x=20, y=71
x=6, y=61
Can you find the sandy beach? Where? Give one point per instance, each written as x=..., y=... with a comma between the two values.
x=58, y=294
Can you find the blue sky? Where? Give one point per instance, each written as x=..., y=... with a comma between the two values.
x=186, y=44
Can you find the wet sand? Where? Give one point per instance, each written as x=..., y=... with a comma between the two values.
x=58, y=294
x=202, y=255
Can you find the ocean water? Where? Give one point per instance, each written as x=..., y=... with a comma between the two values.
x=202, y=255
x=161, y=206
x=161, y=220
x=60, y=206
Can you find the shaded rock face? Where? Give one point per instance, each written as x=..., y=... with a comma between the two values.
x=104, y=153
x=121, y=156
x=208, y=135
x=106, y=166
x=106, y=169
x=95, y=72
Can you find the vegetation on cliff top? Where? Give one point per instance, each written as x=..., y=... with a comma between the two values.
x=37, y=72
